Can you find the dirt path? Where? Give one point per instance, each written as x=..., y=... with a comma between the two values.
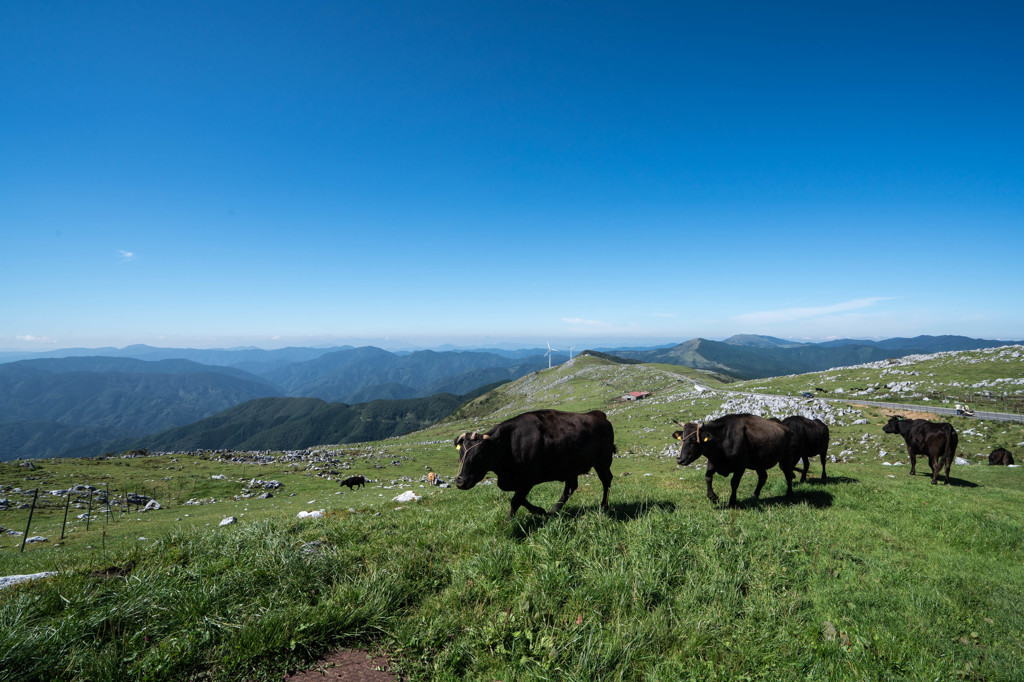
x=347, y=665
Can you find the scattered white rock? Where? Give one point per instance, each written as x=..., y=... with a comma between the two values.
x=36, y=538
x=228, y=521
x=960, y=461
x=315, y=514
x=7, y=581
x=407, y=496
x=218, y=477
x=142, y=539
x=151, y=505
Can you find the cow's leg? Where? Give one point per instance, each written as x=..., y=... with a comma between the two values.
x=605, y=475
x=735, y=483
x=949, y=460
x=519, y=500
x=789, y=479
x=709, y=476
x=936, y=464
x=762, y=477
x=570, y=488
x=807, y=466
x=823, y=475
x=913, y=462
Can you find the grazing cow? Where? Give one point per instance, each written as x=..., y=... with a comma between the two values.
x=809, y=437
x=535, y=447
x=432, y=478
x=734, y=443
x=354, y=481
x=1001, y=457
x=935, y=440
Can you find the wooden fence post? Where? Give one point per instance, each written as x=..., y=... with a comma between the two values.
x=67, y=504
x=29, y=524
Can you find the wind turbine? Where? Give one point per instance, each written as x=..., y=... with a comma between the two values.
x=550, y=351
x=571, y=348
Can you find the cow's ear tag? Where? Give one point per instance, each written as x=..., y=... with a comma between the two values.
x=706, y=438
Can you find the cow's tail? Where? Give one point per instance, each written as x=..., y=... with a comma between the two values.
x=615, y=448
x=951, y=443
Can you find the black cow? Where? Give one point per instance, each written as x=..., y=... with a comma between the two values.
x=734, y=443
x=1001, y=457
x=535, y=447
x=935, y=440
x=354, y=481
x=809, y=437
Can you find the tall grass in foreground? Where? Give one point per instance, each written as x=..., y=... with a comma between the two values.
x=865, y=577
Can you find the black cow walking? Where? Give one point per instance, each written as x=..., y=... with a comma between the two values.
x=354, y=481
x=935, y=440
x=734, y=443
x=1000, y=457
x=535, y=447
x=809, y=437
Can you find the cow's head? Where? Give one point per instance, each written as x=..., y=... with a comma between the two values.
x=474, y=459
x=893, y=425
x=692, y=439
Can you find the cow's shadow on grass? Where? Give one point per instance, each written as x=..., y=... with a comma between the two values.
x=631, y=511
x=524, y=523
x=831, y=480
x=953, y=480
x=956, y=482
x=819, y=499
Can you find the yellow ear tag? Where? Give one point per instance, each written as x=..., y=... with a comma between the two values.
x=705, y=439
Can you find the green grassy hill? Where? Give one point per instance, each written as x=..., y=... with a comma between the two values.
x=990, y=379
x=872, y=575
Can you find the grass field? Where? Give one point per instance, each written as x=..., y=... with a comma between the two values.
x=873, y=574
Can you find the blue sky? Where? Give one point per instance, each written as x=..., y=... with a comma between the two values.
x=302, y=173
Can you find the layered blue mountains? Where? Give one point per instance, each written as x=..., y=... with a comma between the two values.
x=86, y=402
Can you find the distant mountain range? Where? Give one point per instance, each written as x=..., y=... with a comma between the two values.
x=50, y=407
x=755, y=357
x=63, y=406
x=85, y=402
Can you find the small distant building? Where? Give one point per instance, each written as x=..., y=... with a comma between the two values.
x=636, y=395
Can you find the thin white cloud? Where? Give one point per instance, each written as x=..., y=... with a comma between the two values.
x=791, y=314
x=585, y=323
x=126, y=255
x=29, y=338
